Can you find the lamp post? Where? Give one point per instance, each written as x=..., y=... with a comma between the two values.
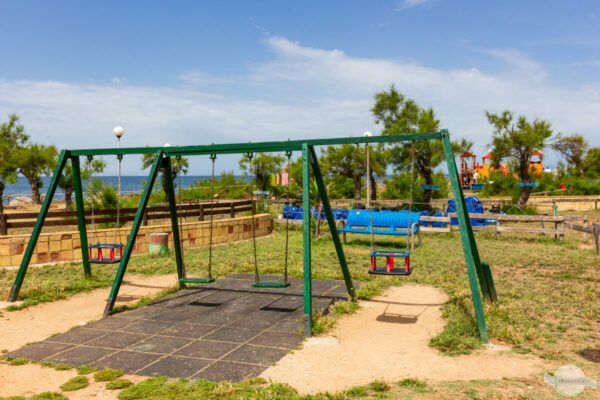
x=118, y=132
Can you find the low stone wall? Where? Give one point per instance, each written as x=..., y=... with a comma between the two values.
x=66, y=246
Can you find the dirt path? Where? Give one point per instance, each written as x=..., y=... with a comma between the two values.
x=388, y=339
x=33, y=324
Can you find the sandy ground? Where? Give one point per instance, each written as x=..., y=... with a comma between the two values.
x=33, y=324
x=31, y=379
x=388, y=339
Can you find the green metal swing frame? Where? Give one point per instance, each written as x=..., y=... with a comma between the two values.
x=479, y=273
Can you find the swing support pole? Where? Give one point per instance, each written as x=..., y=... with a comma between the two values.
x=114, y=292
x=81, y=216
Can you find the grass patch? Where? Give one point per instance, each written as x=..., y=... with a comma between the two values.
x=412, y=383
x=379, y=386
x=108, y=375
x=76, y=383
x=119, y=383
x=17, y=361
x=84, y=370
x=322, y=323
x=344, y=307
x=48, y=396
x=460, y=335
x=56, y=366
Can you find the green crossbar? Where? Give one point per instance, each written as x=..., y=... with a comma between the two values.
x=196, y=280
x=271, y=284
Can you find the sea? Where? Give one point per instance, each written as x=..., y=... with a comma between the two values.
x=129, y=184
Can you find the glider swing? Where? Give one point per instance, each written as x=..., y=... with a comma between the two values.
x=389, y=255
x=111, y=247
x=209, y=278
x=257, y=282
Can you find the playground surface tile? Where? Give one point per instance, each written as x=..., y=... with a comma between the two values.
x=226, y=330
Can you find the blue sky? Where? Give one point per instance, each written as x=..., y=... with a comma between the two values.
x=201, y=72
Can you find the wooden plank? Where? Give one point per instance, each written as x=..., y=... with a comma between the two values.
x=515, y=229
x=435, y=229
x=579, y=228
x=515, y=218
x=434, y=219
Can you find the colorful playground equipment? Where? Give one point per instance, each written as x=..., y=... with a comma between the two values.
x=469, y=167
x=480, y=278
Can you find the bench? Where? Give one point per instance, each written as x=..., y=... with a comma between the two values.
x=384, y=223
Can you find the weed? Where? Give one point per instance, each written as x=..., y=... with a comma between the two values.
x=48, y=396
x=18, y=361
x=108, y=375
x=84, y=370
x=379, y=386
x=119, y=383
x=412, y=383
x=344, y=307
x=76, y=383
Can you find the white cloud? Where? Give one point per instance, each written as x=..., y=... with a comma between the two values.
x=406, y=4
x=303, y=92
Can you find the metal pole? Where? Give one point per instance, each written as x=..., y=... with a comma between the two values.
x=177, y=245
x=334, y=233
x=306, y=240
x=133, y=234
x=16, y=287
x=468, y=241
x=81, y=216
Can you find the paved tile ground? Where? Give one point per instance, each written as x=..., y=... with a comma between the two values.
x=226, y=330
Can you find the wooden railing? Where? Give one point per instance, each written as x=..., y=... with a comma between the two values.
x=549, y=224
x=199, y=210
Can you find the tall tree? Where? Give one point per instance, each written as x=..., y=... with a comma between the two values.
x=346, y=160
x=12, y=137
x=518, y=140
x=178, y=166
x=65, y=182
x=592, y=162
x=264, y=166
x=36, y=160
x=401, y=116
x=572, y=148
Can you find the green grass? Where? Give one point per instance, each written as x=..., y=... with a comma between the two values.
x=549, y=292
x=118, y=383
x=17, y=361
x=76, y=383
x=84, y=370
x=48, y=396
x=107, y=375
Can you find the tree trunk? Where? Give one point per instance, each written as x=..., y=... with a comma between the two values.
x=35, y=190
x=69, y=197
x=524, y=172
x=428, y=177
x=373, y=186
x=357, y=187
x=2, y=186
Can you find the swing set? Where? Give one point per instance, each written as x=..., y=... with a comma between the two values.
x=479, y=275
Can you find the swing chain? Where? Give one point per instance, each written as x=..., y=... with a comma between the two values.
x=287, y=220
x=410, y=203
x=213, y=157
x=120, y=158
x=251, y=171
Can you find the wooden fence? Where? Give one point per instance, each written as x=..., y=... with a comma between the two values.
x=69, y=218
x=549, y=225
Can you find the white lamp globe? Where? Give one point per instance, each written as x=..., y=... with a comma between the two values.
x=167, y=145
x=367, y=134
x=118, y=131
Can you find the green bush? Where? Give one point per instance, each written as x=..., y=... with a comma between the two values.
x=398, y=187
